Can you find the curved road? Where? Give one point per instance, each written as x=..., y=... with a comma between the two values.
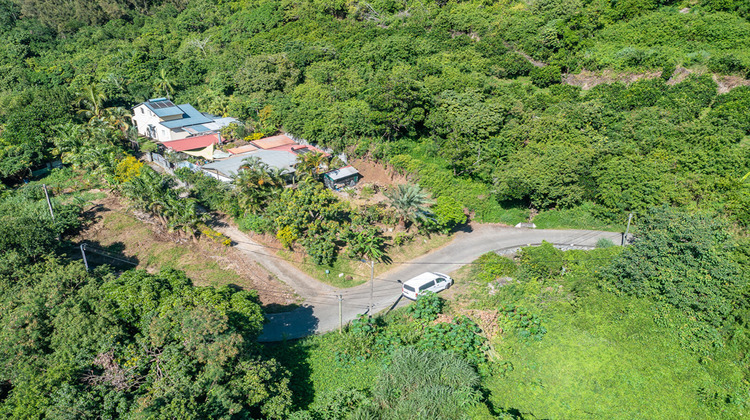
x=320, y=311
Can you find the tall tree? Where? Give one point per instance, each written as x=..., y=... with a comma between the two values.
x=90, y=102
x=165, y=84
x=256, y=183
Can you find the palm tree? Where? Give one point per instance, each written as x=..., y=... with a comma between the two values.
x=164, y=84
x=69, y=142
x=118, y=118
x=90, y=102
x=410, y=202
x=311, y=164
x=183, y=216
x=256, y=183
x=151, y=192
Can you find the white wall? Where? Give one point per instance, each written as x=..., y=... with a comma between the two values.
x=143, y=117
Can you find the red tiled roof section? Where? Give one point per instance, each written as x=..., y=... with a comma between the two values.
x=274, y=141
x=190, y=143
x=242, y=149
x=299, y=149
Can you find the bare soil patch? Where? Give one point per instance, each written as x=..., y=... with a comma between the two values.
x=727, y=83
x=376, y=179
x=588, y=79
x=377, y=173
x=138, y=237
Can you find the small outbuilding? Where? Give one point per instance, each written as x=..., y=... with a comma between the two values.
x=342, y=177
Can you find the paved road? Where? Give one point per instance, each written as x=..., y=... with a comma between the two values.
x=320, y=311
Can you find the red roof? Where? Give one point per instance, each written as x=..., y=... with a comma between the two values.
x=299, y=149
x=242, y=149
x=190, y=143
x=274, y=141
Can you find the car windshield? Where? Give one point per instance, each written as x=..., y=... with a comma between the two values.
x=409, y=288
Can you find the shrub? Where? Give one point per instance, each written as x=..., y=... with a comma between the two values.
x=667, y=71
x=604, y=243
x=449, y=213
x=512, y=65
x=726, y=64
x=215, y=236
x=427, y=307
x=546, y=76
x=127, y=169
x=462, y=337
x=358, y=341
x=543, y=261
x=257, y=223
x=402, y=238
x=287, y=235
x=528, y=326
x=490, y=266
x=683, y=260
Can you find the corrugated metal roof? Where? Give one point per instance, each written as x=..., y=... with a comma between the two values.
x=190, y=116
x=191, y=143
x=273, y=158
x=274, y=141
x=342, y=173
x=198, y=128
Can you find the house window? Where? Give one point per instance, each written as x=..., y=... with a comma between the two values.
x=142, y=111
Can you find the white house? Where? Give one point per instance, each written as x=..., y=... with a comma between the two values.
x=162, y=120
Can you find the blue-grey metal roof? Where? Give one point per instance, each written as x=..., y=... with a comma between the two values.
x=163, y=107
x=341, y=173
x=273, y=158
x=198, y=128
x=190, y=116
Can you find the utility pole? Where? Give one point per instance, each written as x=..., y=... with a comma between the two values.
x=624, y=237
x=83, y=252
x=372, y=285
x=341, y=314
x=49, y=203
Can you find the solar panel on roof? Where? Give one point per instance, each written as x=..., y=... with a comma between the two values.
x=162, y=104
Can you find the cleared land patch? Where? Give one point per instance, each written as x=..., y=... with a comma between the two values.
x=140, y=239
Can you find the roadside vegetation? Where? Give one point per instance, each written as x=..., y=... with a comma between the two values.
x=464, y=99
x=554, y=334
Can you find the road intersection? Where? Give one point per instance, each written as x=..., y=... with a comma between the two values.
x=319, y=312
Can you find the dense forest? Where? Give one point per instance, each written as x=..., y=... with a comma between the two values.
x=480, y=102
x=448, y=91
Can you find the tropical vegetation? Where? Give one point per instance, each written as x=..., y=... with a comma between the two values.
x=567, y=113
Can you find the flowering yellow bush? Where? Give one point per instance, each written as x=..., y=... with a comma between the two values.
x=127, y=169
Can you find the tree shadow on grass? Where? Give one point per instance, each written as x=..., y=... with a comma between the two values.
x=275, y=308
x=97, y=254
x=294, y=356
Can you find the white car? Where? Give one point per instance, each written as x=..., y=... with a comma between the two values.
x=434, y=282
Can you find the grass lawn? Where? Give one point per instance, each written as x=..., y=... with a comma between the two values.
x=206, y=262
x=608, y=359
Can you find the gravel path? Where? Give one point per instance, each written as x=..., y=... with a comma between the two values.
x=320, y=311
